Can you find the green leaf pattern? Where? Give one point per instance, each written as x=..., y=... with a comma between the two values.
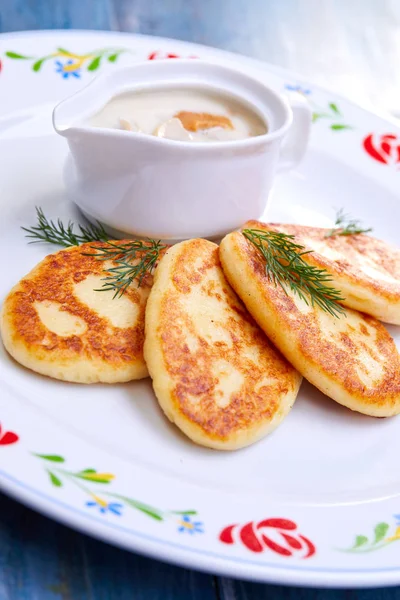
x=184, y=512
x=38, y=64
x=52, y=457
x=379, y=540
x=361, y=540
x=94, y=477
x=95, y=63
x=330, y=113
x=339, y=126
x=380, y=532
x=17, y=56
x=334, y=108
x=73, y=62
x=55, y=480
x=59, y=476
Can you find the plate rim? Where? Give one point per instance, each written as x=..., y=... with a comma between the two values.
x=281, y=71
x=288, y=574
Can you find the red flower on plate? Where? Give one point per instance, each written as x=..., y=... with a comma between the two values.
x=383, y=148
x=279, y=535
x=158, y=55
x=7, y=437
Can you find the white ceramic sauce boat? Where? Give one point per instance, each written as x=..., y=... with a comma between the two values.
x=141, y=185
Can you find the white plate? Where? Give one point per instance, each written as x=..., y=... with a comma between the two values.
x=324, y=477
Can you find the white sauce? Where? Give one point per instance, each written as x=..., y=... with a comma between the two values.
x=154, y=111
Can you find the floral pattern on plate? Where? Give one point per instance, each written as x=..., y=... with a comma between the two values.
x=383, y=148
x=331, y=112
x=110, y=502
x=159, y=55
x=7, y=437
x=383, y=535
x=278, y=535
x=69, y=64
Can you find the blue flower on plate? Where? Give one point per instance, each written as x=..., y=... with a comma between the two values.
x=68, y=69
x=186, y=524
x=297, y=88
x=105, y=507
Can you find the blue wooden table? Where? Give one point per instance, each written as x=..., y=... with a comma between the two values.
x=42, y=560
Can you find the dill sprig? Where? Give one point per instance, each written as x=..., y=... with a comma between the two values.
x=345, y=225
x=133, y=261
x=55, y=232
x=285, y=266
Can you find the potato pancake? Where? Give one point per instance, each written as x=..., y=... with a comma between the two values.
x=365, y=269
x=215, y=374
x=351, y=359
x=56, y=323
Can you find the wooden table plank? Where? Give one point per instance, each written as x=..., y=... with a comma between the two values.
x=43, y=560
x=240, y=590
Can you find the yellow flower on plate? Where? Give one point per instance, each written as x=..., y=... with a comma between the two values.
x=97, y=477
x=394, y=537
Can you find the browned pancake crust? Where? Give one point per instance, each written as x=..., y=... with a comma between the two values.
x=53, y=280
x=378, y=297
x=194, y=391
x=329, y=362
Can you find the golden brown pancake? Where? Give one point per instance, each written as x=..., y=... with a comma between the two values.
x=54, y=322
x=352, y=359
x=365, y=269
x=215, y=374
